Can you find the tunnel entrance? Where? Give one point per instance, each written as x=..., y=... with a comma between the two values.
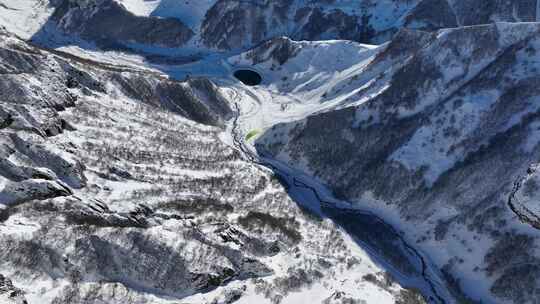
x=248, y=77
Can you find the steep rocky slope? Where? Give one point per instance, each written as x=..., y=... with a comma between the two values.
x=440, y=134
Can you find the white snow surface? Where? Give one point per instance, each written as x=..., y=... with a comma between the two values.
x=190, y=12
x=24, y=17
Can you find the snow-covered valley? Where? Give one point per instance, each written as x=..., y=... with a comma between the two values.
x=135, y=167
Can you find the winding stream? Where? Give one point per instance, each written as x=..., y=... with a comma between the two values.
x=379, y=239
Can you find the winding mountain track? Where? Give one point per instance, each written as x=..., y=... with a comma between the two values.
x=436, y=292
x=525, y=215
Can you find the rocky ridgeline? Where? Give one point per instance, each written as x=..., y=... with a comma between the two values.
x=230, y=23
x=234, y=24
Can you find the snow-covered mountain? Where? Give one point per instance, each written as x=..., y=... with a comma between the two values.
x=135, y=168
x=164, y=26
x=439, y=138
x=112, y=191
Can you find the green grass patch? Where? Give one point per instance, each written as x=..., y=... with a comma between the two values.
x=252, y=134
